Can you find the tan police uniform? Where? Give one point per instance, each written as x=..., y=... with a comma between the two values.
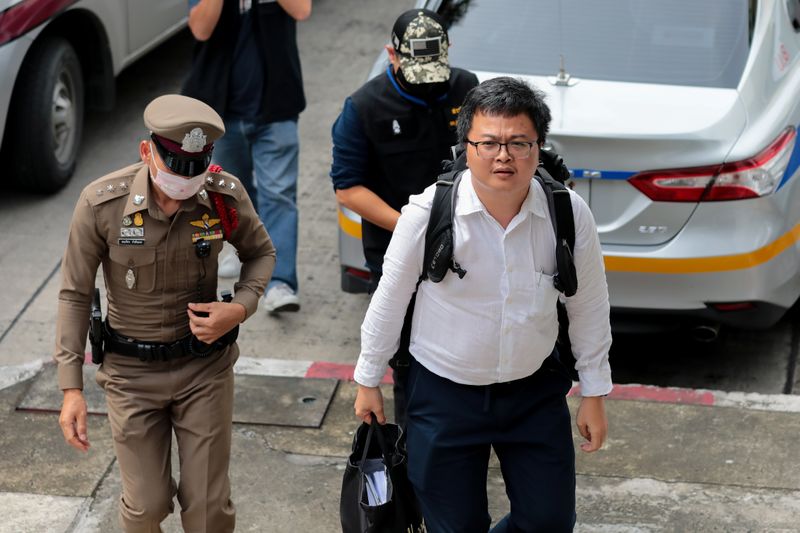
x=152, y=271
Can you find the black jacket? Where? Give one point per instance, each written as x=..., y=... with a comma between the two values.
x=407, y=144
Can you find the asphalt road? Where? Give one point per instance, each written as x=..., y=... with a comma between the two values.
x=34, y=229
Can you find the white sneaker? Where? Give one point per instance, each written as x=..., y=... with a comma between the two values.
x=281, y=298
x=229, y=266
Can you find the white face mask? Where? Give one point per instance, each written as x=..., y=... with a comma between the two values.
x=174, y=186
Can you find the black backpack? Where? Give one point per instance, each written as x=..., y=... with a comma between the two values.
x=438, y=258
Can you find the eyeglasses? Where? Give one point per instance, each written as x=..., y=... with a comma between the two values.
x=516, y=149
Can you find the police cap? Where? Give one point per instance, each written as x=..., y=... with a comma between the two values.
x=183, y=131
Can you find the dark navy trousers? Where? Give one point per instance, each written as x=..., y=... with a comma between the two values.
x=451, y=429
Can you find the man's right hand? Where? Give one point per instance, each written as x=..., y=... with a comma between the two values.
x=369, y=400
x=73, y=419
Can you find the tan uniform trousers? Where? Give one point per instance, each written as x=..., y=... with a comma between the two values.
x=147, y=401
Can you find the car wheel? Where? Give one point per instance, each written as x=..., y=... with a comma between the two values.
x=46, y=121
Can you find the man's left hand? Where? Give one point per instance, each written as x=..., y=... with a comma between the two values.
x=592, y=422
x=222, y=317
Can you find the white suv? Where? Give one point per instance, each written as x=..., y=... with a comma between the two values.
x=57, y=58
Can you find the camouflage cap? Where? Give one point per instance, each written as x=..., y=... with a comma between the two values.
x=421, y=42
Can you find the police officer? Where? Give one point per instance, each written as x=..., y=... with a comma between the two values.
x=156, y=227
x=390, y=140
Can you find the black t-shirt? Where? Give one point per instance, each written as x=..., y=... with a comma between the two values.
x=246, y=85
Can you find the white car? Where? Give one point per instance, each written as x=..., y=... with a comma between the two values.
x=58, y=58
x=679, y=121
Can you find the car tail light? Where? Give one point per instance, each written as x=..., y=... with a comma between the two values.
x=26, y=15
x=733, y=306
x=356, y=273
x=750, y=178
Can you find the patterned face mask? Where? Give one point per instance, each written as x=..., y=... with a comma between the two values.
x=174, y=186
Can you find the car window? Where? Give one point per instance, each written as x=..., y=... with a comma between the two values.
x=683, y=42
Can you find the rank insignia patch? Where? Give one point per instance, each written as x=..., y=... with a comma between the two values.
x=205, y=222
x=207, y=235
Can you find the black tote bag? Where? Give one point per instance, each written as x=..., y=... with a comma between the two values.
x=376, y=494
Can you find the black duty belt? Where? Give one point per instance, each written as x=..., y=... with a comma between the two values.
x=165, y=351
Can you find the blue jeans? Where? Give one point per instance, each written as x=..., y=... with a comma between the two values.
x=265, y=158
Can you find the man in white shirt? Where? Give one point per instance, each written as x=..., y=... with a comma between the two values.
x=485, y=373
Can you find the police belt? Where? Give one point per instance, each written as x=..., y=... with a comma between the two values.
x=165, y=351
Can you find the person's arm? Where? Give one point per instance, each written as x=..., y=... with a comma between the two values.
x=85, y=247
x=369, y=206
x=203, y=17
x=383, y=323
x=590, y=329
x=592, y=422
x=349, y=170
x=256, y=252
x=297, y=9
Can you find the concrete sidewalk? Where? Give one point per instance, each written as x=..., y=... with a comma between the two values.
x=666, y=467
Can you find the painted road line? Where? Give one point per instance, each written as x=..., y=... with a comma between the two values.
x=13, y=374
x=745, y=400
x=783, y=403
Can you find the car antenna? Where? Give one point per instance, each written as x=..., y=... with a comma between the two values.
x=563, y=79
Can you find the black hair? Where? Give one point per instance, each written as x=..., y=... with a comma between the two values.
x=505, y=97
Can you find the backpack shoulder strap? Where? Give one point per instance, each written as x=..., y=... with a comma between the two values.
x=560, y=205
x=439, y=242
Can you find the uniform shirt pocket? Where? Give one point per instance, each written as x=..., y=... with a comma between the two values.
x=133, y=268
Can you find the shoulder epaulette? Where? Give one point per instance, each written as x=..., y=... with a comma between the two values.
x=224, y=183
x=110, y=186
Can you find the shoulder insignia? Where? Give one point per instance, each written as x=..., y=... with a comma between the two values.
x=223, y=183
x=108, y=188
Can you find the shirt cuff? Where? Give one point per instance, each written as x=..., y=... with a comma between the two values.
x=368, y=374
x=595, y=382
x=248, y=299
x=70, y=376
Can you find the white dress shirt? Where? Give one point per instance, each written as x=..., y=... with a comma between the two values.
x=498, y=323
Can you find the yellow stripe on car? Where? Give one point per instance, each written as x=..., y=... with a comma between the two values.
x=349, y=227
x=699, y=265
x=657, y=265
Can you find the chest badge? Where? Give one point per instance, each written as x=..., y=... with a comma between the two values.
x=138, y=221
x=127, y=221
x=205, y=222
x=396, y=127
x=130, y=279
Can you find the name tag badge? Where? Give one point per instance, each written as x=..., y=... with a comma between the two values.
x=130, y=242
